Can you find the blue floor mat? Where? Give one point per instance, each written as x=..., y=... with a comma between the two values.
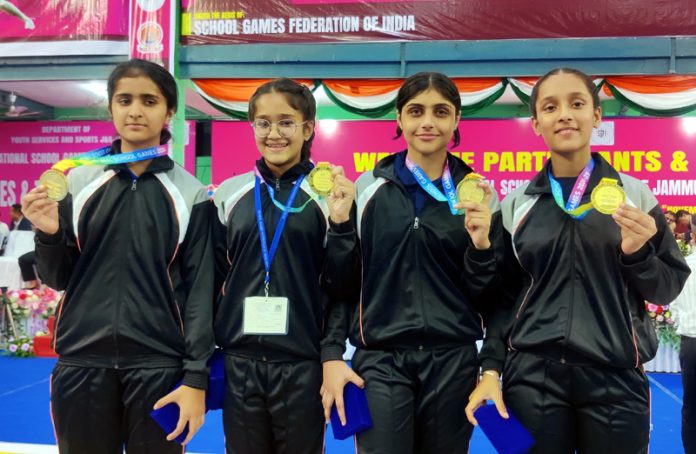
x=25, y=418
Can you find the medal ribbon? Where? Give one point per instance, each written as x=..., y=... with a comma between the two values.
x=269, y=254
x=101, y=156
x=573, y=207
x=288, y=207
x=450, y=195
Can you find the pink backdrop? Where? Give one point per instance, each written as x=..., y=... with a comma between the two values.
x=27, y=149
x=150, y=31
x=660, y=151
x=67, y=20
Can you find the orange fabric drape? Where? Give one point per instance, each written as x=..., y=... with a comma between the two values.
x=527, y=80
x=239, y=90
x=373, y=87
x=468, y=85
x=653, y=84
x=362, y=87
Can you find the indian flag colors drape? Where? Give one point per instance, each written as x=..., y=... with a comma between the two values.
x=654, y=95
x=374, y=98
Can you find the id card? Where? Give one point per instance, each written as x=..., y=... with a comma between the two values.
x=266, y=315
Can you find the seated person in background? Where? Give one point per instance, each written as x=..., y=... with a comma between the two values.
x=683, y=228
x=26, y=265
x=19, y=222
x=4, y=235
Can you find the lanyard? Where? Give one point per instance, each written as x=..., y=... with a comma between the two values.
x=450, y=195
x=101, y=156
x=269, y=254
x=573, y=207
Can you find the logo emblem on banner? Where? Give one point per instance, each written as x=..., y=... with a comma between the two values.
x=150, y=37
x=604, y=134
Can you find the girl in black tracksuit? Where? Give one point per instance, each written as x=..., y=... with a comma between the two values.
x=131, y=248
x=269, y=316
x=424, y=272
x=576, y=281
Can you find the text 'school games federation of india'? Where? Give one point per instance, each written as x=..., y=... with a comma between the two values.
x=207, y=24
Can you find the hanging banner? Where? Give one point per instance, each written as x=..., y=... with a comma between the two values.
x=293, y=21
x=659, y=151
x=151, y=31
x=63, y=27
x=27, y=149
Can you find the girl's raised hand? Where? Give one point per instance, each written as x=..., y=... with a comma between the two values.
x=340, y=200
x=41, y=211
x=636, y=226
x=477, y=220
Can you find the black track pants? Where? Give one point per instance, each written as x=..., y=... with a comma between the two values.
x=103, y=410
x=417, y=399
x=273, y=407
x=687, y=358
x=588, y=409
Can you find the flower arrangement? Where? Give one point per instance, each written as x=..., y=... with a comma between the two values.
x=38, y=302
x=29, y=310
x=662, y=321
x=661, y=316
x=684, y=247
x=21, y=346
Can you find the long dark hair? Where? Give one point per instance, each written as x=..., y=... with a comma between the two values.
x=299, y=98
x=422, y=81
x=587, y=80
x=136, y=67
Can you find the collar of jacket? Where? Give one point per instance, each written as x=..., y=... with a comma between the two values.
x=540, y=183
x=292, y=174
x=161, y=164
x=385, y=168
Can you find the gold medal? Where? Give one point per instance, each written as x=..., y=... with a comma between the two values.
x=56, y=184
x=320, y=179
x=468, y=189
x=607, y=196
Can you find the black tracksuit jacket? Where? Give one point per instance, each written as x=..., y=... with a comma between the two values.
x=135, y=259
x=422, y=282
x=568, y=288
x=304, y=269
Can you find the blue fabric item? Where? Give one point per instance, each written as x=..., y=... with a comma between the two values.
x=508, y=436
x=168, y=416
x=357, y=413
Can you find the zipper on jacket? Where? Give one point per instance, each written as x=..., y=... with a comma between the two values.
x=572, y=288
x=416, y=249
x=117, y=316
x=277, y=184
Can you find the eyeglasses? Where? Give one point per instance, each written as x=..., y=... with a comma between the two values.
x=286, y=128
